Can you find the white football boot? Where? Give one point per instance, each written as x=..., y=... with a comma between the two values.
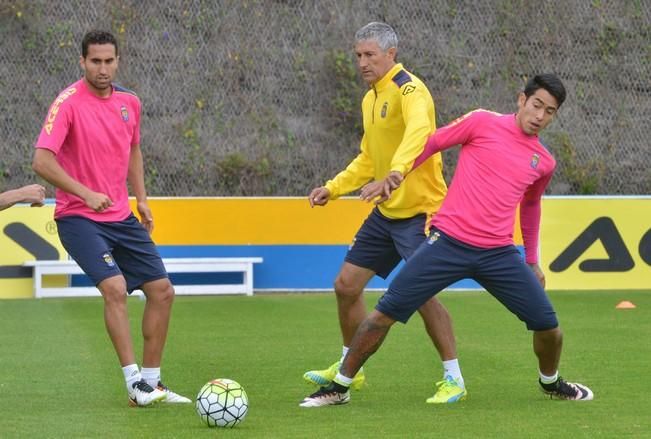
x=143, y=395
x=172, y=397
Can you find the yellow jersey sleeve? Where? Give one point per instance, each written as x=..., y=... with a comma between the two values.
x=357, y=173
x=418, y=128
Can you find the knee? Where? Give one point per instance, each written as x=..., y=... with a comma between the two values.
x=114, y=291
x=345, y=288
x=379, y=319
x=552, y=336
x=160, y=292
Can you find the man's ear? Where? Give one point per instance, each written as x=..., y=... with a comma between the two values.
x=522, y=98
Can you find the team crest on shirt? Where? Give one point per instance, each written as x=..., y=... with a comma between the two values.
x=383, y=111
x=124, y=113
x=535, y=159
x=108, y=259
x=433, y=238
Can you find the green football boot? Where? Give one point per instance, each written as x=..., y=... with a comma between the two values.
x=325, y=376
x=448, y=391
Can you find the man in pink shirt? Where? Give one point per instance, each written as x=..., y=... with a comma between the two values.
x=89, y=147
x=502, y=164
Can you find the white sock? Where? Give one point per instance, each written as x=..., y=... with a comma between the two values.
x=548, y=379
x=131, y=375
x=451, y=368
x=343, y=380
x=151, y=375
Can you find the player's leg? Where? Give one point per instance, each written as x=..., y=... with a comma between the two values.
x=547, y=345
x=368, y=338
x=116, y=318
x=508, y=278
x=90, y=245
x=114, y=292
x=408, y=235
x=416, y=283
x=372, y=252
x=351, y=307
x=155, y=320
x=438, y=324
x=155, y=323
x=144, y=269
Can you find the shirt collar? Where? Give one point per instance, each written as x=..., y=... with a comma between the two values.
x=386, y=79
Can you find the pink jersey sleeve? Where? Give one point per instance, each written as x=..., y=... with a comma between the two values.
x=456, y=132
x=57, y=123
x=136, y=132
x=530, y=217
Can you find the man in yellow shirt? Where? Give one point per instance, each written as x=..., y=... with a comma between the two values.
x=398, y=113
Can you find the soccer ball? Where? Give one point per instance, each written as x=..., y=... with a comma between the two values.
x=222, y=403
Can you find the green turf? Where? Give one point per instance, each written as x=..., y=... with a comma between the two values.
x=59, y=376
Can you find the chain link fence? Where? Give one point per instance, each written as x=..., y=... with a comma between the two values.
x=263, y=97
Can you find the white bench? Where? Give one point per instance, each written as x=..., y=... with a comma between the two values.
x=172, y=265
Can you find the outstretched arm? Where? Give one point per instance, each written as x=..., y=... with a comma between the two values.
x=357, y=173
x=33, y=194
x=458, y=132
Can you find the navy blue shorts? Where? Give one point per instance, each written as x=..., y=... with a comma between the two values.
x=442, y=260
x=382, y=242
x=106, y=249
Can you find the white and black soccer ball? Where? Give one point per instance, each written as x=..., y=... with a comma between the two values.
x=222, y=403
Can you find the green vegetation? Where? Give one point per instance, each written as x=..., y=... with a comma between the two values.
x=584, y=175
x=348, y=92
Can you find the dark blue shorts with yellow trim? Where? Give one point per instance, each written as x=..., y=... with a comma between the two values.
x=442, y=260
x=381, y=242
x=107, y=249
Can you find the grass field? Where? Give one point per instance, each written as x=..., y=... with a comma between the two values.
x=59, y=376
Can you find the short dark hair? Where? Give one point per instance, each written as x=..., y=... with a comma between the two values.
x=97, y=37
x=549, y=82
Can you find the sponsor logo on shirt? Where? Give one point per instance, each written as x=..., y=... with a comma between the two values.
x=383, y=112
x=54, y=110
x=124, y=113
x=535, y=159
x=408, y=89
x=108, y=259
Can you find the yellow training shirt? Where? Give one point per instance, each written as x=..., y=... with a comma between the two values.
x=398, y=114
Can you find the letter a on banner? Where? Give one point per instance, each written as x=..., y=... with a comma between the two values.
x=602, y=229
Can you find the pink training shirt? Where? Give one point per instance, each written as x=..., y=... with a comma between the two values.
x=500, y=166
x=92, y=139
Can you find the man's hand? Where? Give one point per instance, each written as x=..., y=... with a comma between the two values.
x=382, y=189
x=98, y=201
x=319, y=196
x=539, y=273
x=33, y=194
x=146, y=218
x=372, y=190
